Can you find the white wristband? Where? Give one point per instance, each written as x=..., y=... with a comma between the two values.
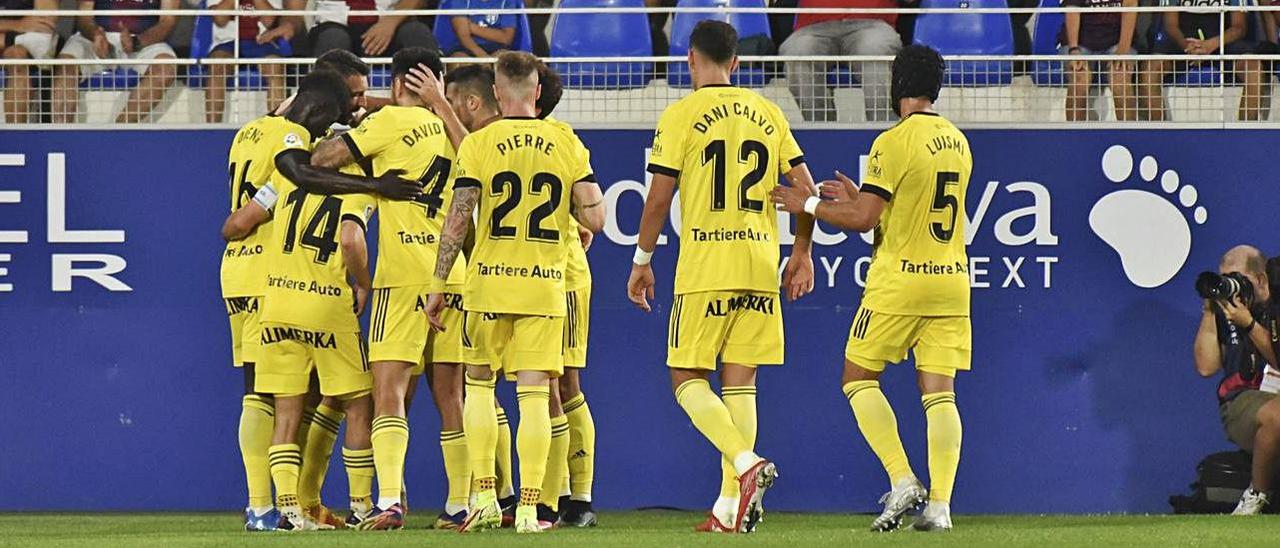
x=642, y=257
x=811, y=205
x=266, y=197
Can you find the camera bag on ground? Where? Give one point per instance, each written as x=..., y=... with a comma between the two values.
x=1220, y=480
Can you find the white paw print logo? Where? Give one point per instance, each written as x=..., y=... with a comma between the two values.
x=1149, y=232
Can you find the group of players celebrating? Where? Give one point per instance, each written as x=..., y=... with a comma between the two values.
x=486, y=207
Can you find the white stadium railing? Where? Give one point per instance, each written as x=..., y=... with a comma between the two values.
x=1216, y=90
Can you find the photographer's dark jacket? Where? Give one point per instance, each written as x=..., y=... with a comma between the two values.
x=1242, y=365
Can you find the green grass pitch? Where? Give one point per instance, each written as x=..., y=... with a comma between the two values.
x=659, y=529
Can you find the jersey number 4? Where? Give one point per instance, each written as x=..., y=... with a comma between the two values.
x=947, y=203
x=715, y=154
x=321, y=231
x=508, y=185
x=433, y=183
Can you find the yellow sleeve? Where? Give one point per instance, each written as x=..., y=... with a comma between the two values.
x=359, y=208
x=581, y=161
x=667, y=156
x=370, y=137
x=466, y=168
x=789, y=153
x=294, y=137
x=884, y=167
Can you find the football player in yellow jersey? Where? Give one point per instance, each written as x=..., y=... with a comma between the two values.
x=259, y=148
x=725, y=146
x=917, y=293
x=405, y=136
x=305, y=284
x=566, y=491
x=527, y=180
x=469, y=91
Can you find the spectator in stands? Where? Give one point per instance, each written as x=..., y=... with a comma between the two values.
x=481, y=35
x=1096, y=34
x=1195, y=32
x=369, y=35
x=103, y=37
x=658, y=26
x=23, y=37
x=258, y=36
x=841, y=34
x=538, y=27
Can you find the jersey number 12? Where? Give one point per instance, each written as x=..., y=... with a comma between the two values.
x=715, y=154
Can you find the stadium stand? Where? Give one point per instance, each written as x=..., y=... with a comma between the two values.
x=602, y=35
x=605, y=57
x=748, y=25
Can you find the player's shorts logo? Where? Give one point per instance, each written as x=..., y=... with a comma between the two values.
x=763, y=304
x=317, y=339
x=1145, y=227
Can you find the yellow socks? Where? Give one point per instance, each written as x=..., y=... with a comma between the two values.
x=582, y=447
x=741, y=403
x=711, y=417
x=533, y=440
x=285, y=461
x=315, y=456
x=481, y=425
x=360, y=467
x=506, y=485
x=453, y=444
x=557, y=462
x=945, y=433
x=257, y=421
x=879, y=426
x=390, y=439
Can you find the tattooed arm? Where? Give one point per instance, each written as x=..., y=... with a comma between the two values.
x=452, y=238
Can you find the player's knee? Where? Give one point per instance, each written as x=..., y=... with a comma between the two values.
x=16, y=52
x=1269, y=416
x=854, y=372
x=569, y=387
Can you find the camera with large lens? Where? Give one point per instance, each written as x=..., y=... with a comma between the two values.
x=1211, y=285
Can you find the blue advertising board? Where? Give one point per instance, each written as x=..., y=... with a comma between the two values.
x=1083, y=397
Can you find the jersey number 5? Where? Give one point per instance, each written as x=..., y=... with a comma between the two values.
x=715, y=154
x=945, y=202
x=322, y=228
x=508, y=184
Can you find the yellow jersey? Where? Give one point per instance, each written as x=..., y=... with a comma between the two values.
x=726, y=146
x=411, y=139
x=251, y=166
x=577, y=273
x=919, y=266
x=525, y=169
x=307, y=278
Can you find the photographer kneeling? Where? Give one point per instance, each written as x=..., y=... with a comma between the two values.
x=1235, y=337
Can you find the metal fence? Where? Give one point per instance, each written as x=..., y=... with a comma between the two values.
x=1215, y=90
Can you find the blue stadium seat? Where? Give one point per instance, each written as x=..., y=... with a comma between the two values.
x=118, y=78
x=1044, y=41
x=603, y=35
x=747, y=24
x=248, y=77
x=969, y=34
x=448, y=39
